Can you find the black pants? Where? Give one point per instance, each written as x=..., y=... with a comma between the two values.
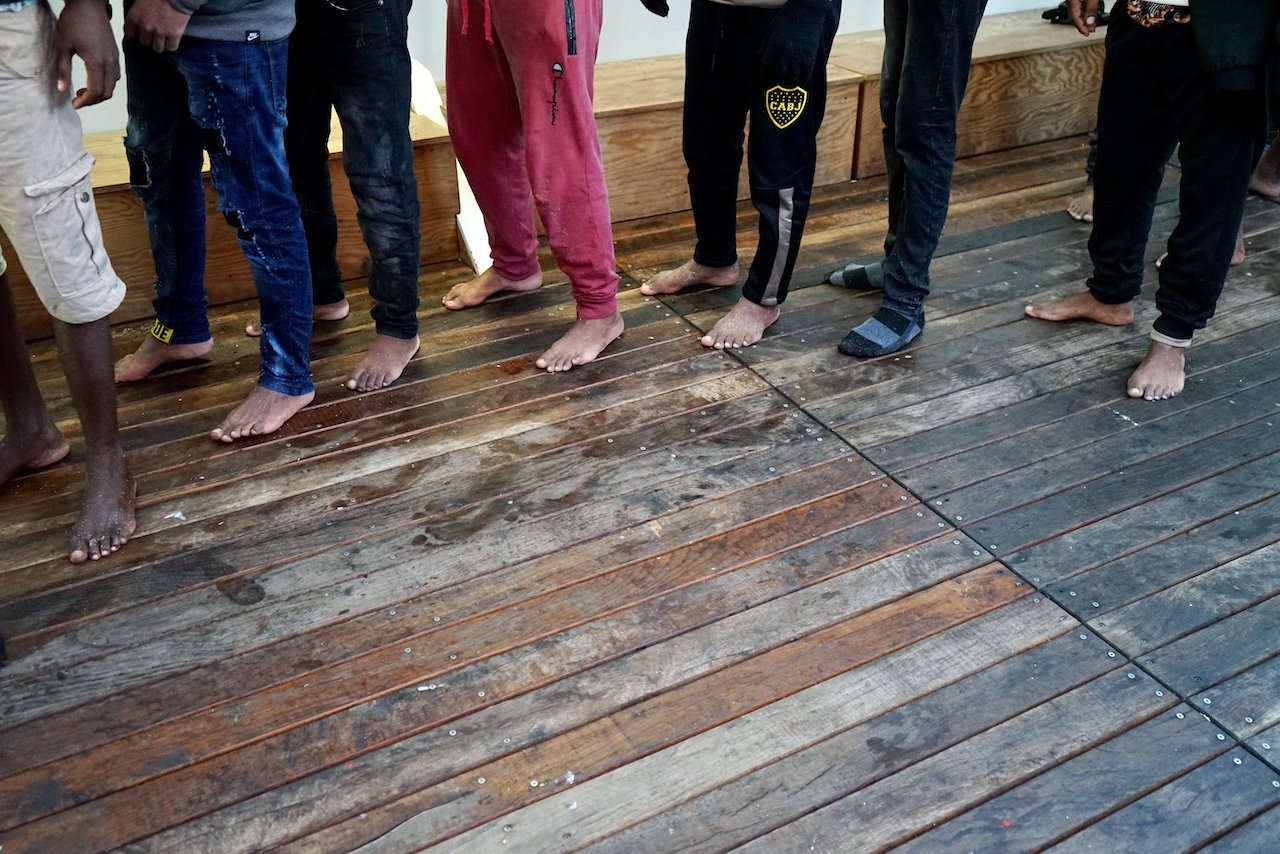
x=724, y=84
x=928, y=48
x=1155, y=96
x=352, y=56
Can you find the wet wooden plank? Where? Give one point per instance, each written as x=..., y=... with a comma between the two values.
x=1247, y=703
x=1254, y=835
x=1220, y=650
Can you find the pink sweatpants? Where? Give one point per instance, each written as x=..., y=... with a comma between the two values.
x=519, y=77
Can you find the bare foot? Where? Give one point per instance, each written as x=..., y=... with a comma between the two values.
x=1237, y=255
x=743, y=326
x=1081, y=207
x=35, y=451
x=106, y=521
x=1265, y=180
x=582, y=343
x=328, y=311
x=1082, y=307
x=153, y=353
x=384, y=363
x=485, y=285
x=263, y=411
x=1161, y=374
x=687, y=275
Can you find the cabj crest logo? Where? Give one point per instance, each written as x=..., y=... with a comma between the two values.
x=785, y=105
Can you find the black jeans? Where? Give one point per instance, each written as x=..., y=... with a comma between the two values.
x=725, y=82
x=352, y=56
x=1155, y=96
x=928, y=48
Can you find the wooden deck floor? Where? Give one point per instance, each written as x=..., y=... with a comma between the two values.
x=966, y=598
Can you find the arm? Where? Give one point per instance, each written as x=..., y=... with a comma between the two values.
x=158, y=24
x=795, y=38
x=1084, y=15
x=84, y=31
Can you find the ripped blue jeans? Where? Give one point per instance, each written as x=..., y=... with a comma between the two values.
x=226, y=98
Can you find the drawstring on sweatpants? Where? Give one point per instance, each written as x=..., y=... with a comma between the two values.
x=488, y=19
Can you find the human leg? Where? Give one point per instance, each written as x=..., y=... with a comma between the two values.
x=489, y=144
x=551, y=51
x=236, y=97
x=370, y=71
x=715, y=110
x=165, y=157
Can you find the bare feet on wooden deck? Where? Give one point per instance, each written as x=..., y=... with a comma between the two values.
x=582, y=343
x=384, y=363
x=329, y=311
x=42, y=447
x=263, y=411
x=1080, y=208
x=743, y=326
x=477, y=290
x=153, y=353
x=1161, y=375
x=1082, y=307
x=106, y=521
x=687, y=275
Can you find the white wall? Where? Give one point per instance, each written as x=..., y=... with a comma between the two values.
x=629, y=32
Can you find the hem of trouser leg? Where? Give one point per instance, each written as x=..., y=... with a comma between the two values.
x=699, y=258
x=1111, y=298
x=1169, y=341
x=270, y=383
x=534, y=269
x=1171, y=332
x=176, y=338
x=596, y=311
x=401, y=332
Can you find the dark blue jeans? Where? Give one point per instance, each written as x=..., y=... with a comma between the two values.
x=352, y=56
x=226, y=98
x=928, y=47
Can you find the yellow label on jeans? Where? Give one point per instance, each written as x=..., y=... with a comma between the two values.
x=160, y=332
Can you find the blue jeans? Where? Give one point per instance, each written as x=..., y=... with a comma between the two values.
x=928, y=48
x=227, y=98
x=353, y=56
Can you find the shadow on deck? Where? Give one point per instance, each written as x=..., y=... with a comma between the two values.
x=969, y=597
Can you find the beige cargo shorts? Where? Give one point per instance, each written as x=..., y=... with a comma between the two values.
x=46, y=200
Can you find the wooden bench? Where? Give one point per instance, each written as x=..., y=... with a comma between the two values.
x=227, y=277
x=639, y=111
x=1031, y=81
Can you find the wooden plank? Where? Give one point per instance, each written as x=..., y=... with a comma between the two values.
x=905, y=804
x=652, y=726
x=1189, y=811
x=1072, y=508
x=877, y=726
x=133, y=813
x=1220, y=650
x=1246, y=704
x=1197, y=602
x=1069, y=797
x=307, y=592
x=386, y=669
x=1266, y=745
x=1252, y=836
x=1127, y=555
x=742, y=491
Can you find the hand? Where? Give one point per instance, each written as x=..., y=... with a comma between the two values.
x=657, y=7
x=156, y=24
x=84, y=31
x=1084, y=15
x=795, y=40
